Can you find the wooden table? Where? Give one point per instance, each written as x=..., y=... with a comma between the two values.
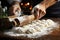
x=55, y=35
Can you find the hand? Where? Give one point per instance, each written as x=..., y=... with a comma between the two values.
x=39, y=11
x=14, y=9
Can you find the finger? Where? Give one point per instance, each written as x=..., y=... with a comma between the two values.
x=40, y=12
x=18, y=8
x=37, y=13
x=32, y=12
x=43, y=13
x=14, y=9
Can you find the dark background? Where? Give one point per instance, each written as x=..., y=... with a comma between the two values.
x=33, y=2
x=53, y=11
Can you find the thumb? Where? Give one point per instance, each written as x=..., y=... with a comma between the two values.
x=32, y=12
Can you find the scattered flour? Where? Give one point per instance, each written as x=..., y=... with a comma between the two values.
x=36, y=28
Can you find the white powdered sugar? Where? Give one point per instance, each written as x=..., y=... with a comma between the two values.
x=36, y=28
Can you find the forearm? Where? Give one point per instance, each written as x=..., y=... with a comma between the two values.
x=48, y=3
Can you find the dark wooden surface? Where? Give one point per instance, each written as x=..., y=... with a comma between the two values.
x=55, y=35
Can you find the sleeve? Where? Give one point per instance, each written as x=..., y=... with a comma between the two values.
x=10, y=1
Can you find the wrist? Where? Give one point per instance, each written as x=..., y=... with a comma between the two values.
x=43, y=4
x=39, y=6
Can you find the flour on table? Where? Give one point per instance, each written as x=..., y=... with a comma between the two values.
x=34, y=29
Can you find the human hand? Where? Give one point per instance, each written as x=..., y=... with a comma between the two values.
x=15, y=10
x=39, y=11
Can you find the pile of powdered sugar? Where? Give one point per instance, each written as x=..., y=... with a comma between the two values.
x=36, y=28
